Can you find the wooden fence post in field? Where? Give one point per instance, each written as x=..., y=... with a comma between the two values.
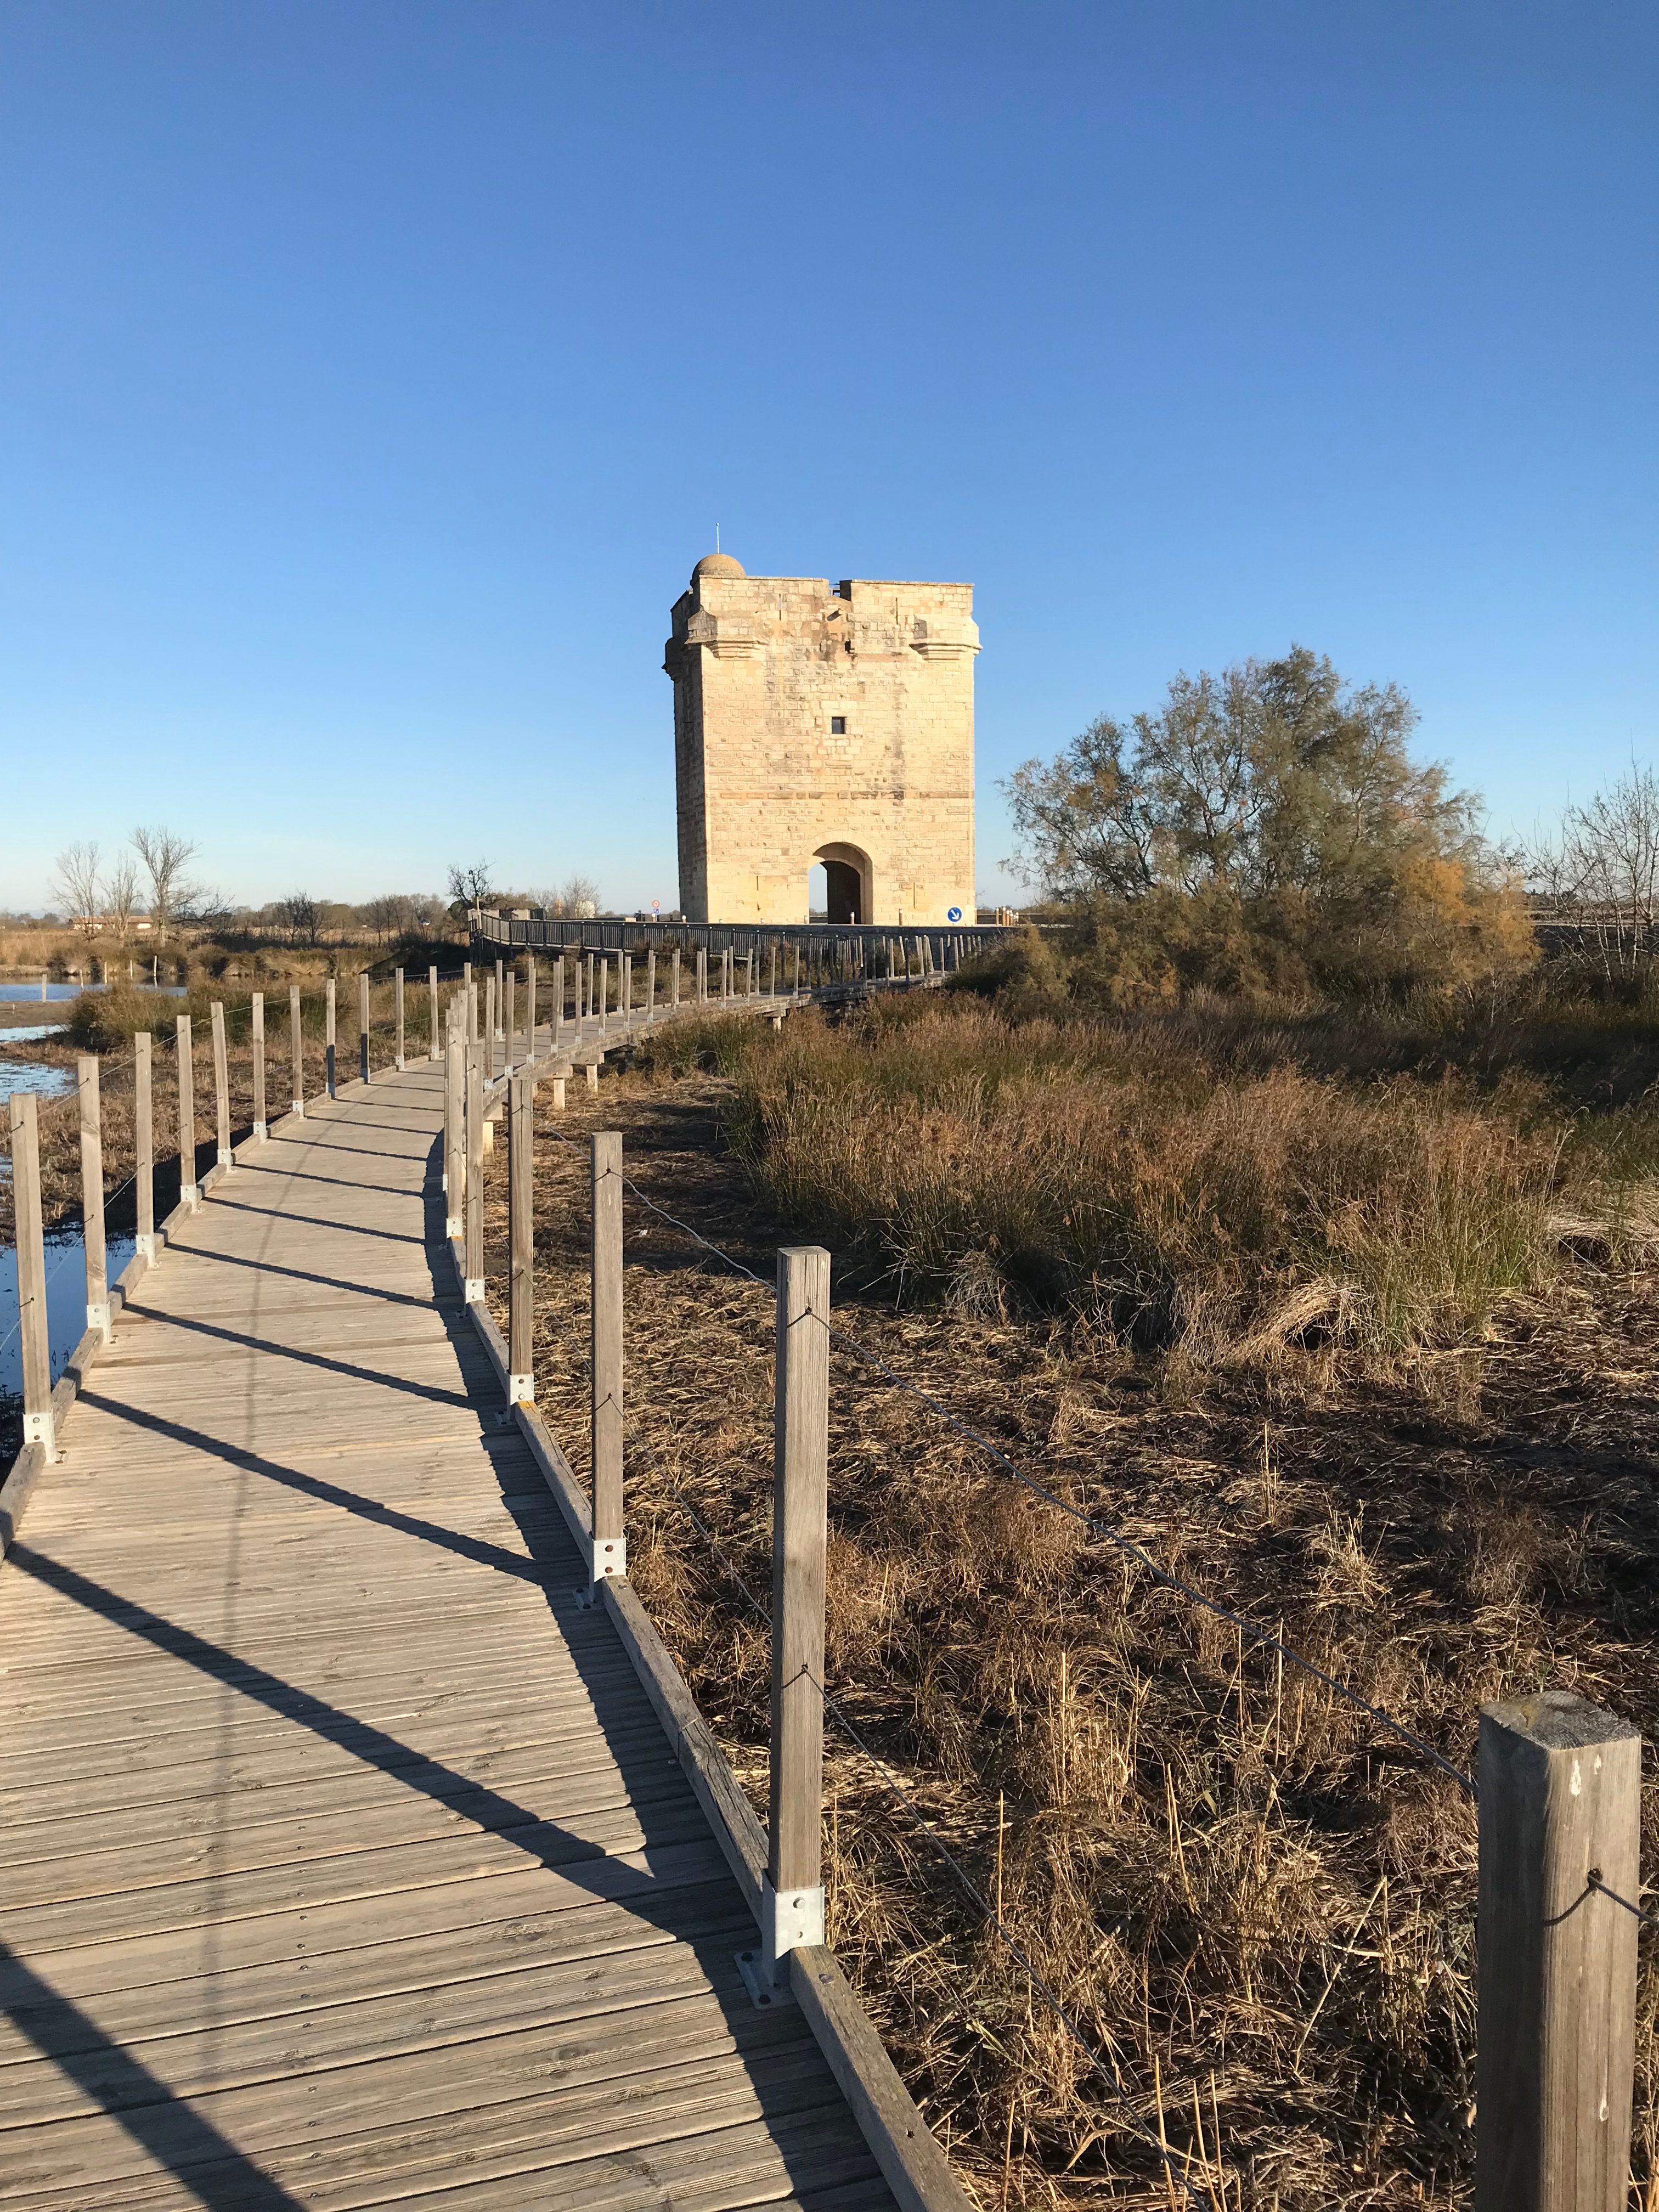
x=297, y=1046
x=677, y=978
x=143, y=1146
x=651, y=986
x=92, y=1193
x=362, y=1025
x=434, y=1050
x=454, y=1095
x=475, y=1151
x=1560, y=1816
x=36, y=1345
x=328, y=1039
x=792, y=1897
x=221, y=1084
x=702, y=974
x=188, y=1192
x=522, y=1240
x=610, y=1555
x=398, y=986
x=257, y=1034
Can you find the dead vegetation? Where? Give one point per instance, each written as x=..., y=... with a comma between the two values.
x=1256, y=1905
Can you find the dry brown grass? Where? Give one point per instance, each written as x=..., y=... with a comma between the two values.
x=1258, y=1906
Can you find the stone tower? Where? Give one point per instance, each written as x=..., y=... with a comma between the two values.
x=835, y=725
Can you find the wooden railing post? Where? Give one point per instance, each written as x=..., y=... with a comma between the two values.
x=651, y=986
x=509, y=1019
x=434, y=1050
x=297, y=1046
x=188, y=1192
x=257, y=1038
x=604, y=992
x=467, y=1000
x=33, y=1328
x=677, y=978
x=221, y=1085
x=362, y=1025
x=587, y=965
x=522, y=1240
x=530, y=1006
x=398, y=987
x=558, y=1000
x=702, y=974
x=500, y=999
x=610, y=1555
x=328, y=1039
x=92, y=1193
x=489, y=1025
x=474, y=1152
x=143, y=1146
x=792, y=1901
x=1560, y=1816
x=625, y=961
x=454, y=1172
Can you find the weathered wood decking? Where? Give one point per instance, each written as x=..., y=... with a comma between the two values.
x=345, y=1861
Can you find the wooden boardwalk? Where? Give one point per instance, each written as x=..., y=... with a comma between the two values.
x=345, y=1860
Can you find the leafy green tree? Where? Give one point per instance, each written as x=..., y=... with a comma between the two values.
x=1267, y=829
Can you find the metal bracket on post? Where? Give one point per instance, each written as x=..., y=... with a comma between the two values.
x=39, y=1429
x=520, y=1389
x=145, y=1249
x=607, y=1563
x=788, y=1923
x=299, y=1107
x=261, y=1131
x=98, y=1318
x=190, y=1194
x=225, y=1159
x=475, y=1289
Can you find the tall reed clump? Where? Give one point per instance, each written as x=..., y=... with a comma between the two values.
x=1113, y=1171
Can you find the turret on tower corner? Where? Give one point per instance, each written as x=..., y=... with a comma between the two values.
x=820, y=724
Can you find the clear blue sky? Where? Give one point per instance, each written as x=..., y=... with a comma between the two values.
x=372, y=374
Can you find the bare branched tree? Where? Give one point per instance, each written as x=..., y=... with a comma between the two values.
x=121, y=898
x=1603, y=863
x=471, y=886
x=77, y=883
x=577, y=897
x=301, y=917
x=166, y=856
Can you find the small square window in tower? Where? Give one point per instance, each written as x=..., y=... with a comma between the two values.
x=838, y=725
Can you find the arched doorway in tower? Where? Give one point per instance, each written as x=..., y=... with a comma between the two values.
x=838, y=886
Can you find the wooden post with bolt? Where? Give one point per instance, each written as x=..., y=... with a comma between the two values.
x=188, y=1192
x=434, y=1050
x=362, y=1025
x=297, y=1043
x=522, y=1240
x=1560, y=1821
x=610, y=1553
x=328, y=1039
x=36, y=1338
x=221, y=1085
x=791, y=1896
x=257, y=1040
x=474, y=1152
x=454, y=1172
x=397, y=990
x=92, y=1193
x=144, y=1146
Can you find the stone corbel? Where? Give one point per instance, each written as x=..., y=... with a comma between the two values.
x=933, y=643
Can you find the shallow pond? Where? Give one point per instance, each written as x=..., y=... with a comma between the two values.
x=66, y=1301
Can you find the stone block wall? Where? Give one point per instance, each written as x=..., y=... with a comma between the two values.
x=764, y=668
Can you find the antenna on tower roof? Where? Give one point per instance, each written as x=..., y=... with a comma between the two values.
x=717, y=538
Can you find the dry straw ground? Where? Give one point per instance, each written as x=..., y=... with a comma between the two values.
x=1257, y=1904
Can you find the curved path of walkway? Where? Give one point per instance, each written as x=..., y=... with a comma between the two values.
x=342, y=1861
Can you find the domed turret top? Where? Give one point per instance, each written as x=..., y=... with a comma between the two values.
x=717, y=564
